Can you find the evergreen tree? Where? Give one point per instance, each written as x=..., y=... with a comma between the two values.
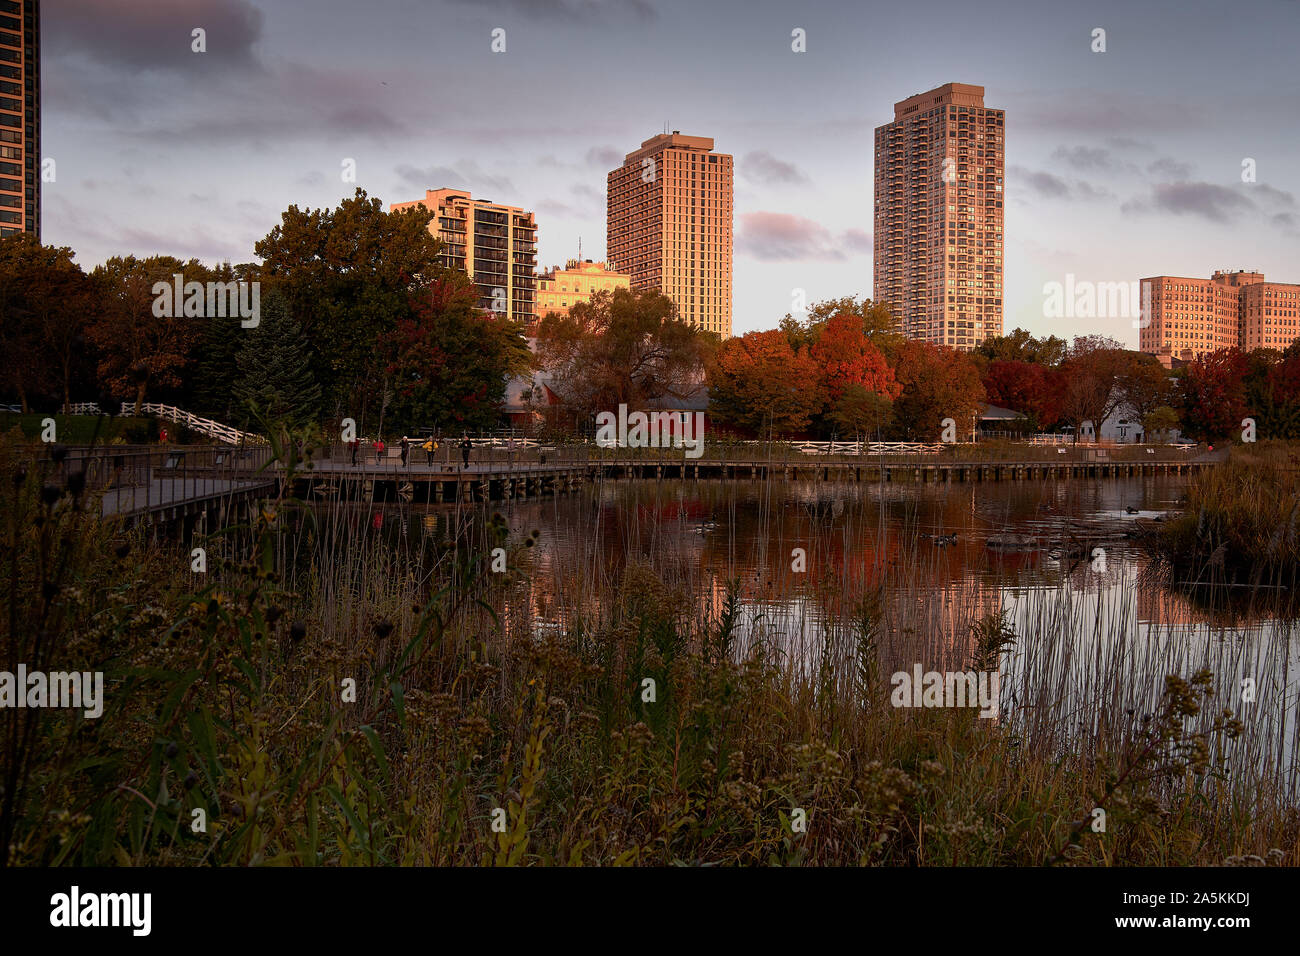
x=217, y=370
x=273, y=372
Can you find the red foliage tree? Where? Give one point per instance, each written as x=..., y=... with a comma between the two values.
x=1024, y=387
x=1214, y=395
x=846, y=357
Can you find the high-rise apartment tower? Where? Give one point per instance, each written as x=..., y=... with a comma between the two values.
x=20, y=117
x=495, y=245
x=938, y=216
x=669, y=222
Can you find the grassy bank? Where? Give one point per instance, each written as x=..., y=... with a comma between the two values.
x=82, y=429
x=1239, y=524
x=228, y=692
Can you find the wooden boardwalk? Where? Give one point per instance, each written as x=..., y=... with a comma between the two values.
x=486, y=480
x=168, y=498
x=180, y=489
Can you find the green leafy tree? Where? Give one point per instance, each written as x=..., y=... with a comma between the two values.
x=214, y=362
x=45, y=306
x=1159, y=423
x=1144, y=385
x=348, y=276
x=1019, y=346
x=447, y=363
x=861, y=413
x=1272, y=385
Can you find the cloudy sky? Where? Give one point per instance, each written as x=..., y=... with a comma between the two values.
x=1120, y=164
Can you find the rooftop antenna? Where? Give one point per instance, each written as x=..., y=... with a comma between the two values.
x=580, y=248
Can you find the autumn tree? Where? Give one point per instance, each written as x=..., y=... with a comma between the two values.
x=1214, y=395
x=876, y=323
x=1026, y=387
x=1089, y=390
x=622, y=347
x=937, y=383
x=139, y=349
x=758, y=382
x=845, y=356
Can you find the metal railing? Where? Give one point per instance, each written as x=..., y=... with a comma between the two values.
x=133, y=480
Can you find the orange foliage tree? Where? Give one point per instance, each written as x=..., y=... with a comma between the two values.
x=761, y=384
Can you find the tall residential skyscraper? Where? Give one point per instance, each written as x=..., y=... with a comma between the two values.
x=668, y=225
x=495, y=245
x=20, y=117
x=938, y=216
x=1190, y=317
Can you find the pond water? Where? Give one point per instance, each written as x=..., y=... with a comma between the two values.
x=1093, y=636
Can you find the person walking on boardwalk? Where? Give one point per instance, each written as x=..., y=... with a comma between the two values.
x=429, y=446
x=353, y=445
x=406, y=449
x=465, y=446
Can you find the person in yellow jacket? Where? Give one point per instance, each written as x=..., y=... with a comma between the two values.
x=430, y=446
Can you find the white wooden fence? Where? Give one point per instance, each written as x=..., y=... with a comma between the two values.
x=206, y=426
x=867, y=448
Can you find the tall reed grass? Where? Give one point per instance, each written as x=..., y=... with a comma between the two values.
x=505, y=718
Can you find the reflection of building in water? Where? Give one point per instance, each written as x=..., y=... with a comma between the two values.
x=1160, y=609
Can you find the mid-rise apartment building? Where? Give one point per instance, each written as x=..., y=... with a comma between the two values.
x=494, y=244
x=561, y=289
x=1190, y=317
x=669, y=225
x=20, y=117
x=938, y=216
